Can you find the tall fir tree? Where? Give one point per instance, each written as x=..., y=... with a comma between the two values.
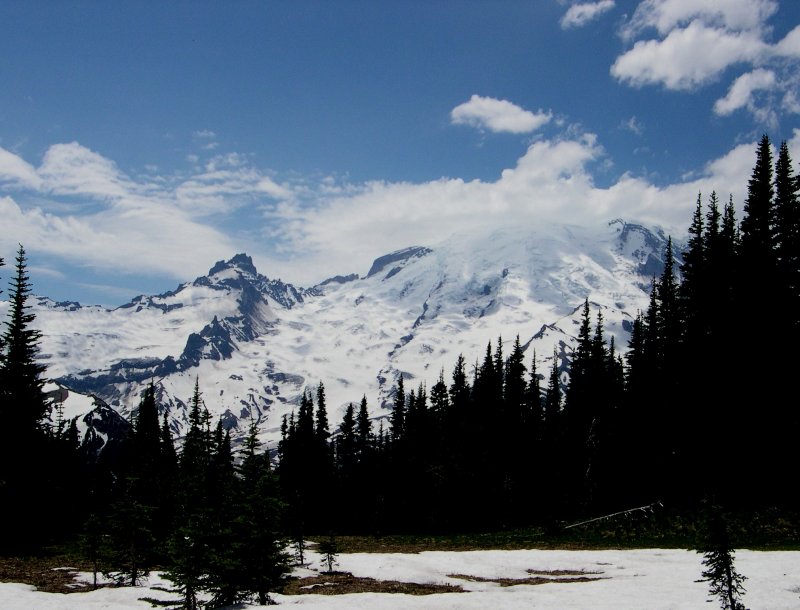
x=25, y=484
x=398, y=418
x=787, y=237
x=21, y=374
x=260, y=559
x=190, y=554
x=759, y=215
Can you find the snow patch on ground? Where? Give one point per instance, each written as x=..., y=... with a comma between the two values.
x=646, y=579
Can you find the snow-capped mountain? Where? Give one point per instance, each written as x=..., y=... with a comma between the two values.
x=255, y=344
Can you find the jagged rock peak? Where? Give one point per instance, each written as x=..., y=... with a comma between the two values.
x=398, y=256
x=241, y=261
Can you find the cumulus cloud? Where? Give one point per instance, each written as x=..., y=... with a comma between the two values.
x=666, y=15
x=790, y=45
x=697, y=43
x=687, y=57
x=742, y=91
x=497, y=116
x=579, y=15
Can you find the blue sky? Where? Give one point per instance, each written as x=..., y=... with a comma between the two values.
x=140, y=142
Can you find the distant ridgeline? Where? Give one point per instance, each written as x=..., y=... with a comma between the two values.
x=698, y=405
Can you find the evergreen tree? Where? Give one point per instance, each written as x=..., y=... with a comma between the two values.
x=2, y=346
x=440, y=399
x=787, y=236
x=223, y=580
x=552, y=478
x=364, y=435
x=692, y=297
x=725, y=583
x=168, y=470
x=552, y=400
x=329, y=550
x=137, y=525
x=514, y=392
x=322, y=473
x=322, y=426
x=398, y=418
x=25, y=484
x=260, y=559
x=759, y=215
x=21, y=375
x=190, y=553
x=459, y=388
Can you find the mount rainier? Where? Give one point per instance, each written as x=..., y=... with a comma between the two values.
x=256, y=343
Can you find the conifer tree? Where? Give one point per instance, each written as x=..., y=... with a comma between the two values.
x=534, y=414
x=552, y=401
x=724, y=581
x=25, y=484
x=137, y=525
x=2, y=344
x=759, y=215
x=21, y=374
x=514, y=391
x=167, y=482
x=223, y=580
x=364, y=435
x=694, y=273
x=398, y=418
x=262, y=563
x=787, y=235
x=329, y=550
x=188, y=548
x=459, y=388
x=346, y=444
x=322, y=426
x=440, y=400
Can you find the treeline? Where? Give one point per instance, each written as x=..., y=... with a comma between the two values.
x=701, y=405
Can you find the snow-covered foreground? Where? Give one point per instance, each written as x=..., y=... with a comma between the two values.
x=647, y=579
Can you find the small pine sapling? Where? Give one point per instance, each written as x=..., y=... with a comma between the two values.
x=329, y=551
x=724, y=582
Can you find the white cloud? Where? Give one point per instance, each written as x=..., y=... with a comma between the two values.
x=698, y=42
x=204, y=134
x=17, y=172
x=687, y=57
x=633, y=125
x=790, y=45
x=178, y=227
x=497, y=116
x=165, y=225
x=72, y=169
x=551, y=183
x=741, y=92
x=666, y=15
x=579, y=15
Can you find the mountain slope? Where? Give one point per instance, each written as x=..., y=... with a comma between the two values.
x=256, y=343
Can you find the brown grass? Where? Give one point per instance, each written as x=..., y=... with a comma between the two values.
x=538, y=577
x=340, y=583
x=53, y=574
